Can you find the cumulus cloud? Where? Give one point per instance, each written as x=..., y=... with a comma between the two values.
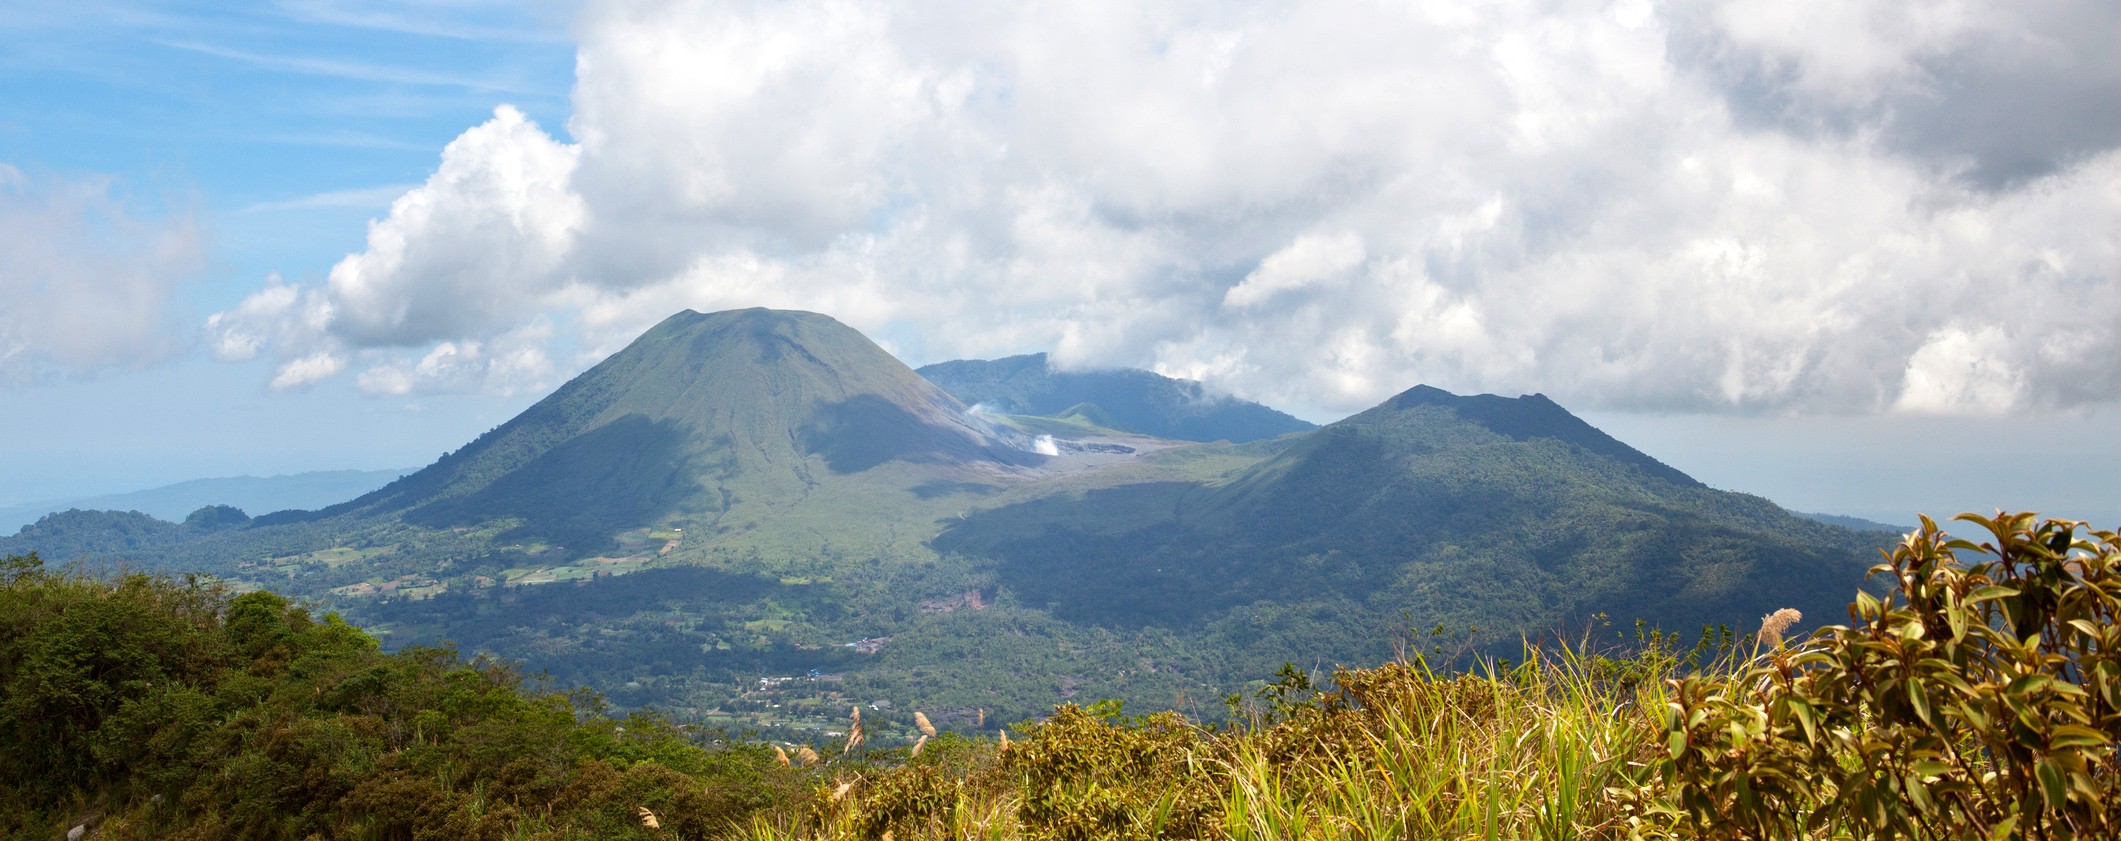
x=281, y=314
x=1309, y=261
x=1862, y=206
x=458, y=271
x=306, y=370
x=472, y=249
x=86, y=281
x=510, y=363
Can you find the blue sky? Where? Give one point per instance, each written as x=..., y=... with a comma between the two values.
x=1858, y=257
x=287, y=125
x=282, y=129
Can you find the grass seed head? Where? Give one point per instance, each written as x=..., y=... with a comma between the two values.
x=918, y=744
x=648, y=818
x=781, y=755
x=1773, y=625
x=921, y=721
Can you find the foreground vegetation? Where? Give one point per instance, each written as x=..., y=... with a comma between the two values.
x=1979, y=697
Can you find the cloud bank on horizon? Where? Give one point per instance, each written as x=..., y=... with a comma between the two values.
x=1816, y=206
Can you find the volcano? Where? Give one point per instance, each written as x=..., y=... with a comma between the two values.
x=703, y=416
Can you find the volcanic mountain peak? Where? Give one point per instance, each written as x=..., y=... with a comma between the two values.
x=746, y=373
x=702, y=412
x=1520, y=418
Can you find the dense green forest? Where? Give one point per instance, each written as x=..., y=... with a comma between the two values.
x=1978, y=697
x=146, y=707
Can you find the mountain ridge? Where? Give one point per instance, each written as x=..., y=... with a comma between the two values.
x=756, y=492
x=1379, y=509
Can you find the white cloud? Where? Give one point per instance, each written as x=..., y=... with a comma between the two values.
x=1851, y=51
x=458, y=272
x=512, y=363
x=1309, y=261
x=1958, y=369
x=307, y=370
x=281, y=314
x=86, y=281
x=472, y=249
x=1693, y=205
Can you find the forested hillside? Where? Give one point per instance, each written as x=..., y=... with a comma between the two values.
x=150, y=708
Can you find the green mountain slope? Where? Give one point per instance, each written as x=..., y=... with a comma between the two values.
x=1130, y=400
x=704, y=419
x=1511, y=515
x=760, y=494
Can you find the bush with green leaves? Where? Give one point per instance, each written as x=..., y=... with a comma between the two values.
x=152, y=708
x=1979, y=698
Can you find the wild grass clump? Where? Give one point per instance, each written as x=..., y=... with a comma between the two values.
x=1555, y=747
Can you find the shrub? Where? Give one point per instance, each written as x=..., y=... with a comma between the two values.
x=1975, y=699
x=158, y=709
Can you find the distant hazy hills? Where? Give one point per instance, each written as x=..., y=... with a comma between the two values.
x=751, y=493
x=1126, y=399
x=1857, y=523
x=253, y=494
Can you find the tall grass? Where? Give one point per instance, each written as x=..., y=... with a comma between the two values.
x=1561, y=746
x=1528, y=753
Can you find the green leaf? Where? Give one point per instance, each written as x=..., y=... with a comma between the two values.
x=2052, y=785
x=2028, y=684
x=1917, y=792
x=1919, y=699
x=1953, y=680
x=2076, y=736
x=1805, y=717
